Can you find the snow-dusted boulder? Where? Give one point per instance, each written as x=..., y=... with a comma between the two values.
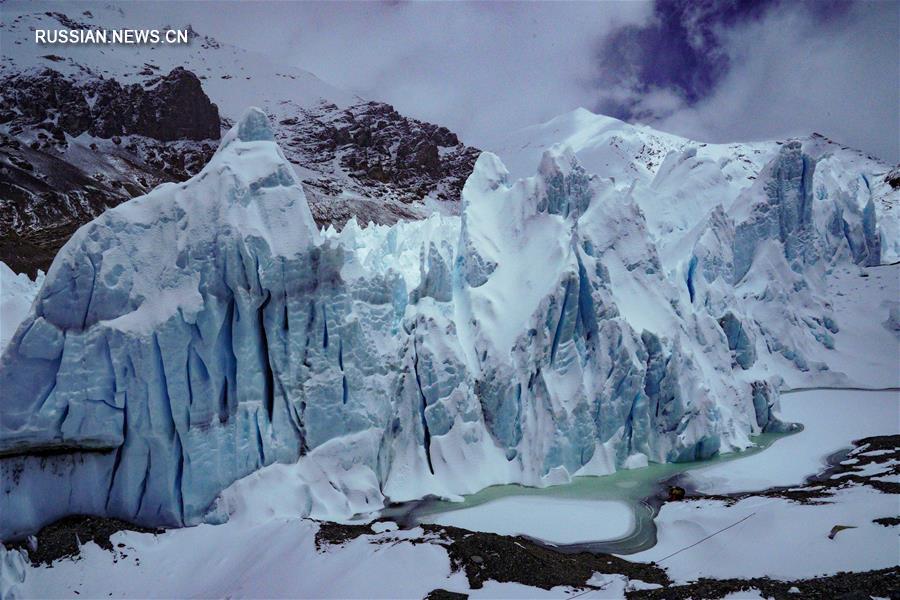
x=185, y=339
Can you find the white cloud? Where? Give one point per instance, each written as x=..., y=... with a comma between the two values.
x=477, y=68
x=485, y=67
x=792, y=74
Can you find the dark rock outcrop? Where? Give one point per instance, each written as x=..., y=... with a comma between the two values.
x=172, y=107
x=144, y=136
x=379, y=154
x=893, y=178
x=366, y=160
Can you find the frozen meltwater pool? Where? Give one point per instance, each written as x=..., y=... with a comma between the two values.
x=610, y=514
x=555, y=520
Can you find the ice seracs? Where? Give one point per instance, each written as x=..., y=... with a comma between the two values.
x=17, y=292
x=677, y=181
x=191, y=337
x=127, y=366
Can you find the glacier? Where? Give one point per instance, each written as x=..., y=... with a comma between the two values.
x=677, y=181
x=206, y=334
x=17, y=291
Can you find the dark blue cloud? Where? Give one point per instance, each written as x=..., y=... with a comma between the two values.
x=679, y=51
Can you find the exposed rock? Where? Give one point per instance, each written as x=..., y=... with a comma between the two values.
x=893, y=177
x=366, y=161
x=442, y=594
x=492, y=557
x=65, y=537
x=172, y=107
x=676, y=493
x=143, y=136
x=372, y=151
x=871, y=584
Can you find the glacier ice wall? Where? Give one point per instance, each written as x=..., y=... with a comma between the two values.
x=17, y=292
x=763, y=264
x=185, y=339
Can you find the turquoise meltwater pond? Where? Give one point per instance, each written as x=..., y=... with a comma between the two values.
x=612, y=513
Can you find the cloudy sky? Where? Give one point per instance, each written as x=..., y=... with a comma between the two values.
x=714, y=70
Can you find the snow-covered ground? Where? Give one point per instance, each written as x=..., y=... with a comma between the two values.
x=276, y=559
x=774, y=536
x=273, y=559
x=780, y=539
x=832, y=419
x=246, y=557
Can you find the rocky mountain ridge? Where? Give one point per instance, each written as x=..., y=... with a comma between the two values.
x=71, y=147
x=370, y=150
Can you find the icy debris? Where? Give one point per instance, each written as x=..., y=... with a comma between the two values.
x=13, y=568
x=637, y=584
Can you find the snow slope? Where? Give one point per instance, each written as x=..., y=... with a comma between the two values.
x=252, y=567
x=767, y=543
x=231, y=76
x=191, y=563
x=867, y=304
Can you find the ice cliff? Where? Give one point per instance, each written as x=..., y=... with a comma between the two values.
x=190, y=337
x=17, y=292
